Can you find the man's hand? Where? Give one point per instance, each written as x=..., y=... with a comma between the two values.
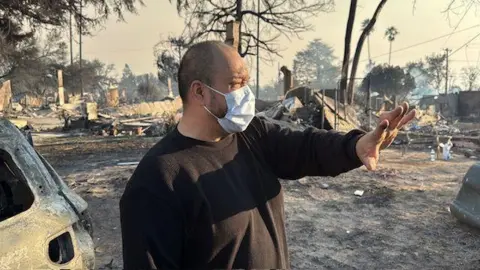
x=369, y=146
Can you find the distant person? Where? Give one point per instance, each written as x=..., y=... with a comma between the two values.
x=208, y=195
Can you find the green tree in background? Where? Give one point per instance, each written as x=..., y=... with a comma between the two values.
x=470, y=76
x=436, y=68
x=150, y=88
x=31, y=62
x=168, y=54
x=128, y=82
x=32, y=66
x=316, y=63
x=389, y=81
x=97, y=77
x=429, y=73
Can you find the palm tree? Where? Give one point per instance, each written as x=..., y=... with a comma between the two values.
x=390, y=34
x=364, y=26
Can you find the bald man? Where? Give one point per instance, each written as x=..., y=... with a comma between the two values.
x=207, y=196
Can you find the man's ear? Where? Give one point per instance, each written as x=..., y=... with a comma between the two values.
x=197, y=92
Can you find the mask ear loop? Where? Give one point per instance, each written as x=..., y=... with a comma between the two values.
x=214, y=90
x=218, y=92
x=211, y=112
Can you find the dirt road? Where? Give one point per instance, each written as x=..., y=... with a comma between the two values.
x=401, y=222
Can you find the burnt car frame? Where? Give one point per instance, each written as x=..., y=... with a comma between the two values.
x=43, y=223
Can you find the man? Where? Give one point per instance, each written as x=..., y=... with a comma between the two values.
x=208, y=195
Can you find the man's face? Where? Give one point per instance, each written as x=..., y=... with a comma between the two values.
x=231, y=74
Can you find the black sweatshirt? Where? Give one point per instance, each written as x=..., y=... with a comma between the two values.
x=201, y=205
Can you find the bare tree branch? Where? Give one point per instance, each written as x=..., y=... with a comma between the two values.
x=457, y=7
x=287, y=18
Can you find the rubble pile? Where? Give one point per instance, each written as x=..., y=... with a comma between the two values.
x=300, y=112
x=301, y=108
x=432, y=123
x=150, y=119
x=362, y=116
x=150, y=108
x=153, y=126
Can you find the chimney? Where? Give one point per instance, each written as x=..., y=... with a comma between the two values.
x=233, y=34
x=287, y=79
x=112, y=97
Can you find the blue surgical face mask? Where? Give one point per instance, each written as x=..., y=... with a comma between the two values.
x=240, y=109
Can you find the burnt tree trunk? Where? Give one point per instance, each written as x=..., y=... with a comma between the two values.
x=358, y=51
x=346, y=52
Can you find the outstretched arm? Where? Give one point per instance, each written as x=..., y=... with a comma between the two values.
x=313, y=152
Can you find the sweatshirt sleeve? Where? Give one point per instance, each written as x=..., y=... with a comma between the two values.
x=294, y=154
x=152, y=226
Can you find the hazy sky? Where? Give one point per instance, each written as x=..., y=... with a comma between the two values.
x=132, y=42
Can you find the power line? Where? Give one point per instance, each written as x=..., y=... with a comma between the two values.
x=122, y=50
x=424, y=42
x=459, y=22
x=466, y=43
x=461, y=61
x=395, y=51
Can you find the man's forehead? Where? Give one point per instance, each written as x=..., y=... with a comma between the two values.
x=233, y=65
x=229, y=75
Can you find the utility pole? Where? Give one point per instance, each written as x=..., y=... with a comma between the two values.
x=369, y=103
x=80, y=50
x=446, y=71
x=71, y=39
x=258, y=49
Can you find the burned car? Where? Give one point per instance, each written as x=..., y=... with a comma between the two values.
x=43, y=223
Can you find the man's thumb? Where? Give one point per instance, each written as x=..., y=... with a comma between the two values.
x=370, y=163
x=381, y=129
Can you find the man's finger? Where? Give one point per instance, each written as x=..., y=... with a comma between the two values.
x=391, y=115
x=380, y=130
x=405, y=108
x=407, y=118
x=396, y=122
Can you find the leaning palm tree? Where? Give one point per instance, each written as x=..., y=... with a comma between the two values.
x=364, y=26
x=390, y=34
